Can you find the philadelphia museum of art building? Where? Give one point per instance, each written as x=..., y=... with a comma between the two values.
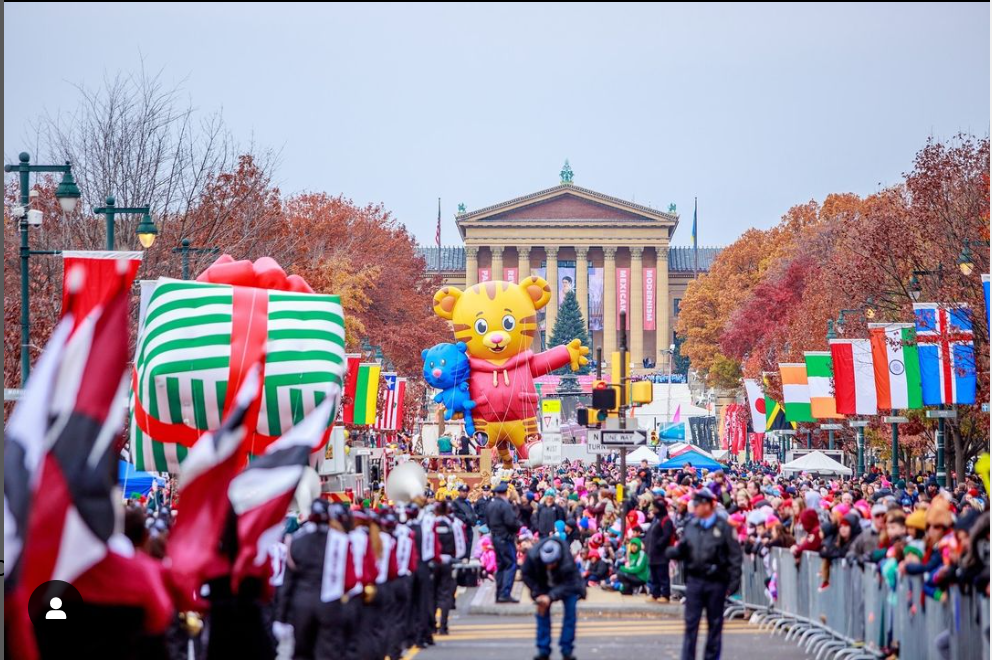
x=582, y=240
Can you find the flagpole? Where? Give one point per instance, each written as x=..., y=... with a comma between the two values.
x=438, y=264
x=695, y=238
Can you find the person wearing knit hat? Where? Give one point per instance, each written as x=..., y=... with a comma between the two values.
x=635, y=573
x=916, y=522
x=550, y=573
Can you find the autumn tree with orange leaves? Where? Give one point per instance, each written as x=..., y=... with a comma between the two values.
x=768, y=296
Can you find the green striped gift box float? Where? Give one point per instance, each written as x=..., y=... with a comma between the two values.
x=197, y=342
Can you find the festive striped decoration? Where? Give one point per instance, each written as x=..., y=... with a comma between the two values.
x=196, y=341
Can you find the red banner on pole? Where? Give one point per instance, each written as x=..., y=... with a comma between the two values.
x=485, y=274
x=510, y=275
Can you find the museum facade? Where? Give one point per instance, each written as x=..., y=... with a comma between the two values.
x=615, y=254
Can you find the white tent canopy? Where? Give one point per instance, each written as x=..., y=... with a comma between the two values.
x=643, y=454
x=816, y=462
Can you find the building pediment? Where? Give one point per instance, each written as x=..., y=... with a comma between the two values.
x=567, y=205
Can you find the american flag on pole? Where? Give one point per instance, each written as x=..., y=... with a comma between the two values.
x=386, y=419
x=947, y=353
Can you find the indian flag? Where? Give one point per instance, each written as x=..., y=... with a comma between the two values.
x=366, y=393
x=820, y=376
x=897, y=365
x=795, y=390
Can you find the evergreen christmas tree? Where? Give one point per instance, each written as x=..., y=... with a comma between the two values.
x=568, y=326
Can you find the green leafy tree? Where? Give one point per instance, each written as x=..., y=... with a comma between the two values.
x=568, y=326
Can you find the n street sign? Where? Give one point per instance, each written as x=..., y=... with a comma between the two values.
x=594, y=442
x=624, y=438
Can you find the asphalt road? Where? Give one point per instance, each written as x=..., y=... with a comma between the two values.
x=512, y=637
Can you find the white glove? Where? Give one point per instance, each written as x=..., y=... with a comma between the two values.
x=282, y=631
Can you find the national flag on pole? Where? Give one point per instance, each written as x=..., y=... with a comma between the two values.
x=774, y=412
x=946, y=347
x=854, y=377
x=897, y=365
x=386, y=419
x=756, y=401
x=795, y=392
x=366, y=394
x=262, y=493
x=820, y=376
x=210, y=466
x=437, y=238
x=400, y=398
x=353, y=360
x=75, y=414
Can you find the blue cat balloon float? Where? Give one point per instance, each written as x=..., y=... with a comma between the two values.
x=446, y=368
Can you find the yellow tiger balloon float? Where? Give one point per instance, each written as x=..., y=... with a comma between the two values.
x=497, y=322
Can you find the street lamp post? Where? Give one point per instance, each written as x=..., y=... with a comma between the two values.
x=185, y=250
x=68, y=195
x=143, y=230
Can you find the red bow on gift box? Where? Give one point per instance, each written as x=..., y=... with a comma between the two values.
x=265, y=273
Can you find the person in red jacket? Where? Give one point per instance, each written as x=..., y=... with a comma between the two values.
x=813, y=541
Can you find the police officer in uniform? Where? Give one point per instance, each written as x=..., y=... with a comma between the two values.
x=711, y=559
x=503, y=527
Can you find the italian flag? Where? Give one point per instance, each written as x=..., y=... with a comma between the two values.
x=897, y=365
x=854, y=377
x=795, y=391
x=820, y=376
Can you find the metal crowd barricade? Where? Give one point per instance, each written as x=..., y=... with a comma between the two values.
x=857, y=614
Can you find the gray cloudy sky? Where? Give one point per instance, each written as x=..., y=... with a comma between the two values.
x=752, y=108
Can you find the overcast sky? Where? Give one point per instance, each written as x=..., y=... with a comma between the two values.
x=751, y=108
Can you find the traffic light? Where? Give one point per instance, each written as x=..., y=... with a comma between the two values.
x=582, y=416
x=641, y=391
x=604, y=397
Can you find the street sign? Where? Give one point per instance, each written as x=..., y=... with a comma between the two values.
x=945, y=414
x=625, y=438
x=858, y=423
x=895, y=420
x=594, y=442
x=551, y=445
x=985, y=407
x=832, y=427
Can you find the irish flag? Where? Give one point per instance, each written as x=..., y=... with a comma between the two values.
x=897, y=365
x=854, y=377
x=795, y=390
x=820, y=375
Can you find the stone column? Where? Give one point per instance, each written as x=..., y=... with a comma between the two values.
x=664, y=313
x=552, y=257
x=471, y=265
x=636, y=306
x=609, y=302
x=582, y=280
x=497, y=262
x=523, y=262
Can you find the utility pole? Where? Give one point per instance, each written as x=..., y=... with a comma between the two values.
x=623, y=420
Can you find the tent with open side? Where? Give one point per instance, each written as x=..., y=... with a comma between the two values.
x=816, y=463
x=693, y=458
x=643, y=454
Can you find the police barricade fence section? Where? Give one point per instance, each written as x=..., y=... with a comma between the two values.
x=843, y=610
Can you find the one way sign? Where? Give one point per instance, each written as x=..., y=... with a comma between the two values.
x=624, y=438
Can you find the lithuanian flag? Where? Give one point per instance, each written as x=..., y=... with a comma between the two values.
x=361, y=392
